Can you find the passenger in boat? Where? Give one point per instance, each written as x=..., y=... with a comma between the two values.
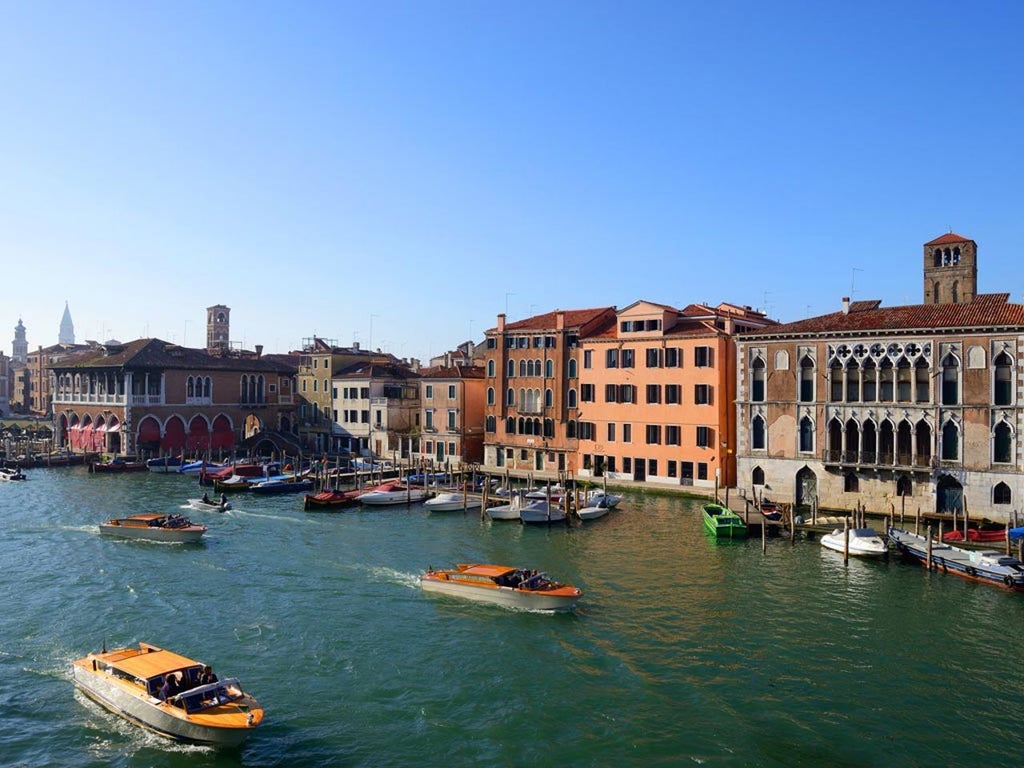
x=223, y=499
x=206, y=498
x=206, y=676
x=164, y=692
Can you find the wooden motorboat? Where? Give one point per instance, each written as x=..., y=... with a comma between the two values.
x=863, y=542
x=987, y=566
x=210, y=505
x=723, y=522
x=452, y=501
x=118, y=465
x=129, y=683
x=392, y=493
x=500, y=584
x=154, y=526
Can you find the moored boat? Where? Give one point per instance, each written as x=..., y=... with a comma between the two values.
x=118, y=465
x=392, y=493
x=502, y=585
x=335, y=499
x=452, y=501
x=284, y=484
x=508, y=511
x=986, y=566
x=164, y=464
x=976, y=534
x=154, y=526
x=542, y=512
x=723, y=522
x=130, y=682
x=863, y=542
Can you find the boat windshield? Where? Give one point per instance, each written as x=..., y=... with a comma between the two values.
x=212, y=695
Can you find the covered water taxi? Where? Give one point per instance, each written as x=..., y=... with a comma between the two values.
x=130, y=682
x=154, y=526
x=501, y=584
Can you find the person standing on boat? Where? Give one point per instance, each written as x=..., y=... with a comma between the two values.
x=223, y=500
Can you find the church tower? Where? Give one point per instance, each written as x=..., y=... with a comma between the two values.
x=950, y=270
x=67, y=328
x=19, y=349
x=218, y=325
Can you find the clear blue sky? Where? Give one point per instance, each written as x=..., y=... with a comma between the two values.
x=398, y=173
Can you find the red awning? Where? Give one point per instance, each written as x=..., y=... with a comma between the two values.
x=115, y=428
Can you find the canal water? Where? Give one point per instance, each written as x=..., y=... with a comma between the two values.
x=683, y=650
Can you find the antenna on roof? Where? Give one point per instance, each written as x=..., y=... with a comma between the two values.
x=853, y=277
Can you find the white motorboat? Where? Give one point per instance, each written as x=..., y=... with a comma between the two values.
x=11, y=474
x=451, y=501
x=508, y=511
x=209, y=505
x=987, y=566
x=542, y=512
x=130, y=682
x=500, y=584
x=864, y=542
x=597, y=506
x=392, y=493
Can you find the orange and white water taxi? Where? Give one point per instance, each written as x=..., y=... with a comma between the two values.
x=130, y=682
x=511, y=587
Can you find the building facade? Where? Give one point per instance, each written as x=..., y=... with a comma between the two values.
x=898, y=409
x=376, y=409
x=452, y=416
x=152, y=397
x=656, y=394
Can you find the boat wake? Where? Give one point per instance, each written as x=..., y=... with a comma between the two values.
x=392, y=576
x=136, y=738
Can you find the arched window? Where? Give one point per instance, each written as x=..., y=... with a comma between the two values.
x=207, y=387
x=549, y=368
x=490, y=424
x=937, y=258
x=1003, y=388
x=510, y=425
x=806, y=379
x=757, y=380
x=885, y=381
x=851, y=484
x=522, y=368
x=549, y=427
x=757, y=476
x=570, y=398
x=549, y=398
x=853, y=382
x=510, y=397
x=921, y=381
x=950, y=380
x=572, y=368
x=490, y=368
x=510, y=368
x=570, y=428
x=757, y=441
x=904, y=487
x=1002, y=444
x=950, y=441
x=903, y=376
x=835, y=372
x=806, y=435
x=869, y=379
x=1001, y=494
x=956, y=291
x=490, y=395
x=190, y=387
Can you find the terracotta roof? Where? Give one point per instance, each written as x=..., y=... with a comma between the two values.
x=156, y=353
x=574, y=318
x=454, y=372
x=986, y=311
x=951, y=237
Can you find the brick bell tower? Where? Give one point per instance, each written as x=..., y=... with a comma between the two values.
x=950, y=270
x=218, y=325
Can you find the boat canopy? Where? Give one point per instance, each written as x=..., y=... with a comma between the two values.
x=152, y=664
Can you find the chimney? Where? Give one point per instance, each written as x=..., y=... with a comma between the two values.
x=355, y=345
x=559, y=320
x=501, y=322
x=846, y=305
x=259, y=351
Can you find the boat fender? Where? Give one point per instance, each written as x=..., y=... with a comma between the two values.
x=970, y=571
x=1008, y=580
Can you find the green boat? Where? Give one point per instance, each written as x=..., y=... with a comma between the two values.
x=723, y=522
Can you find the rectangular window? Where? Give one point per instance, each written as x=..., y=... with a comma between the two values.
x=610, y=462
x=627, y=358
x=364, y=417
x=672, y=394
x=428, y=446
x=587, y=393
x=451, y=421
x=627, y=433
x=673, y=357
x=654, y=393
x=611, y=393
x=703, y=437
x=654, y=358
x=611, y=431
x=428, y=393
x=428, y=422
x=451, y=391
x=671, y=468
x=627, y=393
x=702, y=470
x=587, y=358
x=611, y=358
x=451, y=449
x=627, y=465
x=652, y=467
x=702, y=394
x=364, y=393
x=703, y=357
x=653, y=434
x=672, y=434
x=686, y=473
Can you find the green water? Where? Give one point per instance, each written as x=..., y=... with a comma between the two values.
x=684, y=650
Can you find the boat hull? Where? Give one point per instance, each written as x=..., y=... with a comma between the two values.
x=451, y=502
x=204, y=506
x=592, y=513
x=386, y=498
x=723, y=523
x=860, y=545
x=185, y=535
x=541, y=512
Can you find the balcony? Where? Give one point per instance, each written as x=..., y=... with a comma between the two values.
x=871, y=460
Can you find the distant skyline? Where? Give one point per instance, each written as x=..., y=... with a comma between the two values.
x=397, y=173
